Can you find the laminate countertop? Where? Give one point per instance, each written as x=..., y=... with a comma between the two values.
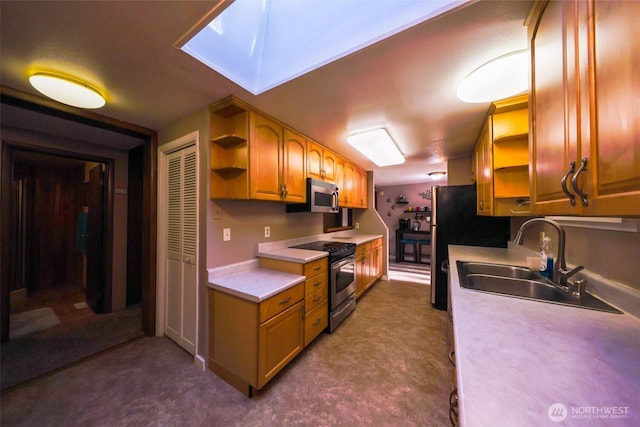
x=248, y=281
x=530, y=363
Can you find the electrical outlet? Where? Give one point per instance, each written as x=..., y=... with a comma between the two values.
x=267, y=231
x=226, y=234
x=357, y=224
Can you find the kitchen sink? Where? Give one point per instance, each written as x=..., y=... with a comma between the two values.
x=520, y=282
x=500, y=270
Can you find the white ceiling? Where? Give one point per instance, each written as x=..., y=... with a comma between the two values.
x=406, y=83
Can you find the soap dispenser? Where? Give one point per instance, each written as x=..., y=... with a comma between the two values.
x=546, y=258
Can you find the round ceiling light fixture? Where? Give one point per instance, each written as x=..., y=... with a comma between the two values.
x=499, y=78
x=68, y=91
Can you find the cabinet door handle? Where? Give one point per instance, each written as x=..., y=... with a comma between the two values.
x=317, y=322
x=574, y=182
x=453, y=407
x=285, y=301
x=563, y=183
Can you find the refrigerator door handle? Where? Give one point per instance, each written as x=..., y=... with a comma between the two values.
x=445, y=266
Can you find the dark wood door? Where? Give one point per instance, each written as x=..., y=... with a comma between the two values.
x=95, y=241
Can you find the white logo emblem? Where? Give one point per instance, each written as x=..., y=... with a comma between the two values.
x=557, y=412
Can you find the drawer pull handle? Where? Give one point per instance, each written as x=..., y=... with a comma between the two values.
x=286, y=301
x=316, y=299
x=316, y=284
x=317, y=322
x=316, y=268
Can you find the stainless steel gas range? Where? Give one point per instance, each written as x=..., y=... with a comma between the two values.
x=342, y=278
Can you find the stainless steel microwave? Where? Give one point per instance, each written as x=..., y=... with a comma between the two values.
x=321, y=197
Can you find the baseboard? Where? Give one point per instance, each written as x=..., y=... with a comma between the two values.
x=200, y=363
x=18, y=298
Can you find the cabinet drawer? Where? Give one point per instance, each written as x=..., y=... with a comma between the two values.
x=315, y=267
x=315, y=283
x=312, y=300
x=362, y=249
x=316, y=321
x=280, y=302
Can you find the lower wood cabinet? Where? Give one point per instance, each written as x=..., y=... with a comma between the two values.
x=249, y=342
x=316, y=292
x=368, y=265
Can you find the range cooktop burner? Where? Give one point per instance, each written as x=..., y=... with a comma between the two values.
x=337, y=250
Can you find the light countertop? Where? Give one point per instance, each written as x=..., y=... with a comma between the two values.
x=281, y=250
x=518, y=360
x=248, y=281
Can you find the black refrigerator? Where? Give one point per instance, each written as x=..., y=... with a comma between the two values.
x=454, y=222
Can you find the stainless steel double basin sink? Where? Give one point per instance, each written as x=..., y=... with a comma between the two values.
x=520, y=282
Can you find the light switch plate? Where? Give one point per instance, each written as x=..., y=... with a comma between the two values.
x=226, y=234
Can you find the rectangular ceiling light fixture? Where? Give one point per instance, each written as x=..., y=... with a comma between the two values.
x=260, y=44
x=377, y=146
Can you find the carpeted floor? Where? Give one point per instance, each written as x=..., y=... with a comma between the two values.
x=27, y=357
x=386, y=365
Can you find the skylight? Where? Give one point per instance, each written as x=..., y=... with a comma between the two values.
x=260, y=44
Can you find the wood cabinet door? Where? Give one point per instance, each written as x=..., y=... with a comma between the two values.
x=329, y=165
x=362, y=273
x=265, y=158
x=484, y=169
x=315, y=152
x=554, y=106
x=361, y=194
x=614, y=156
x=294, y=167
x=340, y=181
x=281, y=338
x=349, y=184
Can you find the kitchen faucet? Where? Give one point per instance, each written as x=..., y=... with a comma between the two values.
x=560, y=272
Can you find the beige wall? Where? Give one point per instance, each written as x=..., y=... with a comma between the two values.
x=612, y=254
x=121, y=165
x=459, y=171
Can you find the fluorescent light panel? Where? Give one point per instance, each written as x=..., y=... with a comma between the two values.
x=377, y=146
x=260, y=44
x=499, y=78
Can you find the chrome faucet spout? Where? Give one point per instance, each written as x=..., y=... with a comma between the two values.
x=560, y=266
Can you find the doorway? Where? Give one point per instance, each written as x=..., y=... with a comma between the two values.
x=57, y=262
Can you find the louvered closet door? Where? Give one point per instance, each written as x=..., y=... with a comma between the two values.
x=181, y=248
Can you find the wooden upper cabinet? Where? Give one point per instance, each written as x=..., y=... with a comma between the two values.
x=614, y=61
x=314, y=160
x=483, y=166
x=294, y=172
x=265, y=158
x=254, y=156
x=321, y=162
x=329, y=165
x=584, y=108
x=554, y=106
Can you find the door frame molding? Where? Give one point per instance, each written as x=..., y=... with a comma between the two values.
x=164, y=150
x=150, y=137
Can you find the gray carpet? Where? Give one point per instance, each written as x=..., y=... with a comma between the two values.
x=385, y=366
x=27, y=357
